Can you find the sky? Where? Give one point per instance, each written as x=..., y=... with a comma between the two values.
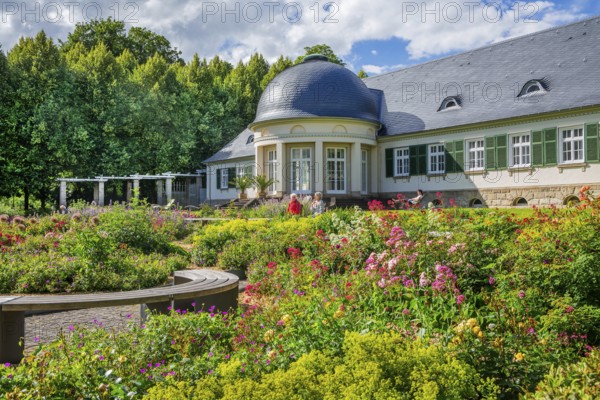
x=374, y=35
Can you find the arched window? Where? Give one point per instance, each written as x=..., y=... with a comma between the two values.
x=571, y=200
x=533, y=88
x=450, y=103
x=475, y=203
x=250, y=139
x=520, y=202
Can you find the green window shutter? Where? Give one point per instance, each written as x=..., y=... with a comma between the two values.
x=537, y=148
x=501, y=151
x=219, y=178
x=450, y=160
x=592, y=147
x=490, y=153
x=389, y=163
x=422, y=159
x=412, y=160
x=459, y=155
x=550, y=151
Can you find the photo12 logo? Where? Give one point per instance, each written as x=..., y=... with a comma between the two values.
x=71, y=11
x=269, y=11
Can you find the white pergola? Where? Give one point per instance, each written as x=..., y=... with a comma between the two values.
x=133, y=185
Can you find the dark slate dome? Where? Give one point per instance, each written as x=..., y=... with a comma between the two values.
x=316, y=88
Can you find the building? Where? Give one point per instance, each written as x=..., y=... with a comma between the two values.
x=513, y=123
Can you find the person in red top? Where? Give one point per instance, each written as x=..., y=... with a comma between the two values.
x=295, y=207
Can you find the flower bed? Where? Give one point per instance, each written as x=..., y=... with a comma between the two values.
x=116, y=249
x=365, y=304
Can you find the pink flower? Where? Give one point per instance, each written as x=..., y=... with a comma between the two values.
x=492, y=280
x=521, y=294
x=459, y=299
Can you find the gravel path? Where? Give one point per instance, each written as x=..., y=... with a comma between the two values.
x=44, y=328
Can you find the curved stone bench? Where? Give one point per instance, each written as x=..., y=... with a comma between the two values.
x=199, y=287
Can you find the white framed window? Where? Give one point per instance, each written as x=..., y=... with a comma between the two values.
x=336, y=169
x=520, y=150
x=437, y=159
x=401, y=162
x=571, y=145
x=246, y=170
x=475, y=154
x=224, y=178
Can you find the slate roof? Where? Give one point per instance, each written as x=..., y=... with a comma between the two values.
x=237, y=148
x=316, y=88
x=488, y=80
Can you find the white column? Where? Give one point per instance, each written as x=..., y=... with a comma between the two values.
x=319, y=167
x=374, y=169
x=136, y=188
x=355, y=170
x=209, y=182
x=101, y=193
x=96, y=190
x=259, y=158
x=282, y=170
x=159, y=192
x=63, y=194
x=169, y=189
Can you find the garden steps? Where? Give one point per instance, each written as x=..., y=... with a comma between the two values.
x=191, y=289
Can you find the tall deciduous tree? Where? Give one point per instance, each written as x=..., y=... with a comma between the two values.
x=322, y=49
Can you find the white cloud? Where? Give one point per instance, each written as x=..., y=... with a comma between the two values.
x=381, y=69
x=374, y=52
x=431, y=27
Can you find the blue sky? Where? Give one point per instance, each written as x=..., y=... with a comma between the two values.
x=376, y=35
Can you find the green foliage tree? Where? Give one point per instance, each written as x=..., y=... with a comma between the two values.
x=362, y=74
x=322, y=49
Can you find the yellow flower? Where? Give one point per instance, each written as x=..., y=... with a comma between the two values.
x=476, y=330
x=286, y=319
x=544, y=342
x=480, y=335
x=519, y=357
x=272, y=354
x=497, y=342
x=268, y=336
x=122, y=359
x=456, y=340
x=472, y=322
x=324, y=321
x=338, y=314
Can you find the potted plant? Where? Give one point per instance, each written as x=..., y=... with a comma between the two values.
x=242, y=183
x=262, y=183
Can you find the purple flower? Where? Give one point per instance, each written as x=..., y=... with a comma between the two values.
x=492, y=280
x=521, y=294
x=71, y=328
x=142, y=370
x=7, y=364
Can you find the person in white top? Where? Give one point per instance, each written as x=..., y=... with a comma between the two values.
x=317, y=206
x=416, y=200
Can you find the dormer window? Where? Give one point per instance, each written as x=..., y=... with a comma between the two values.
x=450, y=103
x=250, y=139
x=533, y=88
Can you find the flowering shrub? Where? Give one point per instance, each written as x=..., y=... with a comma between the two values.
x=438, y=303
x=114, y=250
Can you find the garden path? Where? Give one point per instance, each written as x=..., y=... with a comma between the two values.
x=44, y=328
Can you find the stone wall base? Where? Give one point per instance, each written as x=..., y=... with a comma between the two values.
x=542, y=196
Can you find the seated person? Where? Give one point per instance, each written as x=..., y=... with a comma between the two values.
x=318, y=206
x=295, y=207
x=416, y=200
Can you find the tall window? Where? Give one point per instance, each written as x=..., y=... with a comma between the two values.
x=247, y=170
x=437, y=159
x=272, y=167
x=520, y=150
x=571, y=145
x=336, y=170
x=401, y=162
x=224, y=178
x=475, y=154
x=364, y=170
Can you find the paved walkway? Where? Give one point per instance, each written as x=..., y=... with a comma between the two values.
x=44, y=328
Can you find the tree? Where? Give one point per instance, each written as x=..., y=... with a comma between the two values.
x=362, y=74
x=322, y=49
x=275, y=69
x=38, y=69
x=141, y=42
